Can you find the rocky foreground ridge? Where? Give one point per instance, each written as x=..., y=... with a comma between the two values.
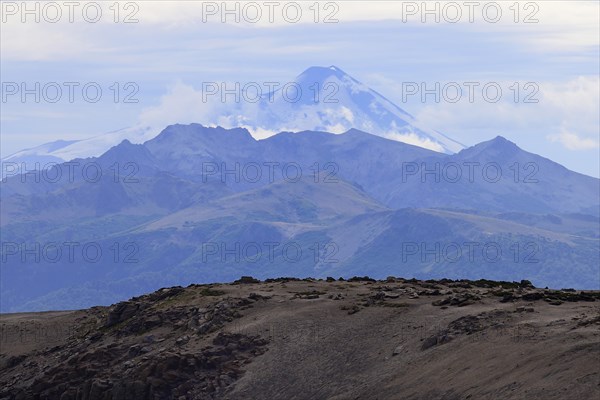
x=312, y=339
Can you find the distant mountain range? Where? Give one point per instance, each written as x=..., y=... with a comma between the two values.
x=201, y=204
x=320, y=98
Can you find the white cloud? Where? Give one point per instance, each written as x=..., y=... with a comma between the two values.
x=573, y=142
x=576, y=102
x=347, y=114
x=562, y=26
x=570, y=105
x=181, y=104
x=36, y=42
x=415, y=140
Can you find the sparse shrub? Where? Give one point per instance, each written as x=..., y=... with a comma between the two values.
x=361, y=279
x=245, y=280
x=211, y=292
x=526, y=284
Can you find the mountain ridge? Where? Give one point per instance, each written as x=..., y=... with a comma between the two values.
x=363, y=205
x=330, y=100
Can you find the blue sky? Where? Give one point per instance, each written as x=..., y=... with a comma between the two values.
x=171, y=51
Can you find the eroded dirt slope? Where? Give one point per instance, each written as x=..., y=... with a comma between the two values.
x=312, y=339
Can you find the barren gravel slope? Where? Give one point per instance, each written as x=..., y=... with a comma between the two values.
x=291, y=339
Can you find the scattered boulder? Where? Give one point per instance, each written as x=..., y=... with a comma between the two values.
x=460, y=300
x=532, y=296
x=398, y=350
x=256, y=297
x=309, y=295
x=121, y=312
x=525, y=309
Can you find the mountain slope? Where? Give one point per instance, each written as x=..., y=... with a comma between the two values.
x=285, y=201
x=346, y=214
x=281, y=234
x=496, y=176
x=361, y=339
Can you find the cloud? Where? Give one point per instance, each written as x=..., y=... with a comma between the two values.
x=35, y=42
x=571, y=105
x=573, y=142
x=181, y=104
x=576, y=102
x=561, y=26
x=415, y=140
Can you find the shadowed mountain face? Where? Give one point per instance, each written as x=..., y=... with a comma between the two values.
x=496, y=176
x=199, y=204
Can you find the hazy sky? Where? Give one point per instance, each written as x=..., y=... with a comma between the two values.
x=168, y=49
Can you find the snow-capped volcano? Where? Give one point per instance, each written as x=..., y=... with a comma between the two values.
x=328, y=99
x=320, y=98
